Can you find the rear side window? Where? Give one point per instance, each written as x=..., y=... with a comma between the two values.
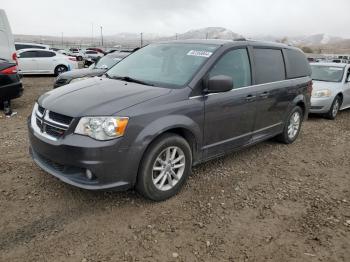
x=296, y=64
x=45, y=54
x=269, y=65
x=28, y=54
x=235, y=64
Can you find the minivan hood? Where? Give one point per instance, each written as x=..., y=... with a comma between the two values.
x=98, y=96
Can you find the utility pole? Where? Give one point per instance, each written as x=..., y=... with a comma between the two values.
x=101, y=36
x=206, y=36
x=141, y=39
x=92, y=33
x=62, y=39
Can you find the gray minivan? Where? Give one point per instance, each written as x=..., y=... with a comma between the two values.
x=167, y=107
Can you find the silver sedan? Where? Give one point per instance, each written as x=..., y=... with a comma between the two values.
x=331, y=88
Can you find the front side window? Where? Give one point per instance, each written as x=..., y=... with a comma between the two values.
x=327, y=73
x=235, y=64
x=269, y=65
x=171, y=65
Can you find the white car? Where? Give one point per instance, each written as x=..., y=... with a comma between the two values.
x=92, y=54
x=7, y=47
x=40, y=61
x=21, y=45
x=331, y=88
x=77, y=53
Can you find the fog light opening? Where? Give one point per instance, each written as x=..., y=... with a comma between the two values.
x=89, y=174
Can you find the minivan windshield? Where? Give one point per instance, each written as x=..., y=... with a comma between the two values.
x=327, y=73
x=169, y=65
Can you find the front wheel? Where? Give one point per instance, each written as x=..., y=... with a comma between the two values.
x=333, y=111
x=292, y=126
x=165, y=167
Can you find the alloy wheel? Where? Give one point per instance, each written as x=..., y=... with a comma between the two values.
x=168, y=168
x=294, y=125
x=335, y=108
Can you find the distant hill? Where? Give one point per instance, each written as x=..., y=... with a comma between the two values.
x=320, y=42
x=210, y=33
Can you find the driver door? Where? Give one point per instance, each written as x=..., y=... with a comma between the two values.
x=230, y=116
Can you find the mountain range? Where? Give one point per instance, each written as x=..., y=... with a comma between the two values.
x=322, y=41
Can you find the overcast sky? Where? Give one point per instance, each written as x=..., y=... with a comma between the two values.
x=246, y=17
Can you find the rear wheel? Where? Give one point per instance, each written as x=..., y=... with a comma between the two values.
x=333, y=111
x=60, y=69
x=79, y=58
x=292, y=126
x=165, y=167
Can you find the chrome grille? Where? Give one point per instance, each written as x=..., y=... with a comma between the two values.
x=49, y=124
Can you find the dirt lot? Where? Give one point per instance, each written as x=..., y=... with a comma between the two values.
x=271, y=202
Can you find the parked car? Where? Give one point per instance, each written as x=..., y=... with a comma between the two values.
x=7, y=47
x=99, y=50
x=97, y=69
x=331, y=88
x=167, y=107
x=10, y=83
x=21, y=45
x=77, y=53
x=92, y=54
x=90, y=60
x=39, y=61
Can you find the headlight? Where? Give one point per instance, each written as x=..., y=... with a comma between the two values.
x=102, y=128
x=79, y=79
x=322, y=93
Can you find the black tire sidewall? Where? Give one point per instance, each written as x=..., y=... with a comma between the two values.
x=285, y=137
x=330, y=113
x=56, y=69
x=144, y=182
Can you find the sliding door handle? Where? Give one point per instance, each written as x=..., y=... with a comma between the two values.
x=250, y=98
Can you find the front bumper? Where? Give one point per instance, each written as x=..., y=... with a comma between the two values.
x=321, y=105
x=68, y=159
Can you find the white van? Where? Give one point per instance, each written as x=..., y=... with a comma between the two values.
x=7, y=46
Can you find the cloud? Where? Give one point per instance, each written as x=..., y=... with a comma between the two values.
x=247, y=17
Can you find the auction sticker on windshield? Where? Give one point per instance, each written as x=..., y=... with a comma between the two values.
x=199, y=53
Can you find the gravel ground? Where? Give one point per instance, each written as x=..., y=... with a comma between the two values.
x=270, y=202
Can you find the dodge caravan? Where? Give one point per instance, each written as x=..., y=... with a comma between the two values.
x=167, y=107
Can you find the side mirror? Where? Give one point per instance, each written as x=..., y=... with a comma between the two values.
x=219, y=84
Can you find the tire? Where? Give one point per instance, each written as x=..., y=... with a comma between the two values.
x=292, y=126
x=79, y=58
x=60, y=69
x=333, y=111
x=150, y=181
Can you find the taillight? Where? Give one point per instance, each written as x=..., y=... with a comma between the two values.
x=72, y=58
x=14, y=57
x=9, y=71
x=309, y=88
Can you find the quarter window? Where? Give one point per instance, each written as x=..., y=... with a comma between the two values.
x=45, y=54
x=235, y=64
x=269, y=65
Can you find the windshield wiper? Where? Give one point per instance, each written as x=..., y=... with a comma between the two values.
x=129, y=79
